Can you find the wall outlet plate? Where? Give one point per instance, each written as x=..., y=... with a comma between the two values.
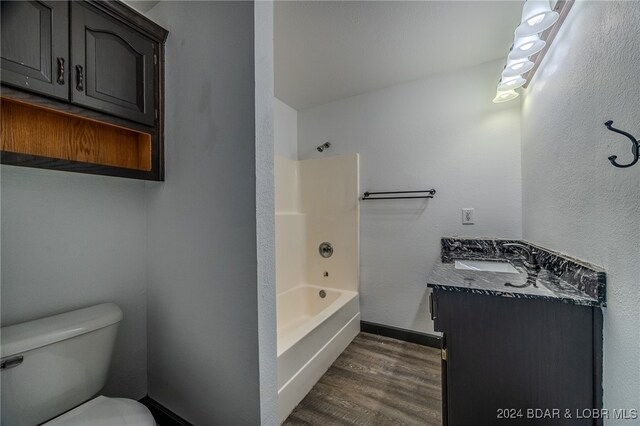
x=467, y=216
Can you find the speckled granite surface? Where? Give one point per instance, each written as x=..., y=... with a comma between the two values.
x=557, y=278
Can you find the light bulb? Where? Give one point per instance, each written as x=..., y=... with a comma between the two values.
x=516, y=67
x=535, y=20
x=537, y=16
x=505, y=96
x=510, y=83
x=526, y=46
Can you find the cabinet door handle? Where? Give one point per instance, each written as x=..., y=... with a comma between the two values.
x=79, y=78
x=60, y=70
x=432, y=306
x=11, y=362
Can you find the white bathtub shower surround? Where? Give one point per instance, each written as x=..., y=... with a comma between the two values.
x=312, y=332
x=316, y=202
x=290, y=225
x=287, y=185
x=329, y=191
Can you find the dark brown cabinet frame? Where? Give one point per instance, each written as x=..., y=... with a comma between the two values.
x=498, y=354
x=136, y=22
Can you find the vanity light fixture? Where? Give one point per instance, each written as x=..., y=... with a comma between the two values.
x=505, y=96
x=517, y=67
x=511, y=83
x=537, y=16
x=523, y=47
x=537, y=29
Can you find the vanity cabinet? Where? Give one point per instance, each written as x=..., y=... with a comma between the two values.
x=505, y=357
x=35, y=46
x=82, y=88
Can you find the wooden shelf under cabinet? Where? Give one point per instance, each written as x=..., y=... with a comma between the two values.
x=38, y=131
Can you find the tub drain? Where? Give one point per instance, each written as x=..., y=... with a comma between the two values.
x=322, y=294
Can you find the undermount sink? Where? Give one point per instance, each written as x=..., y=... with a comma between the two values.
x=484, y=266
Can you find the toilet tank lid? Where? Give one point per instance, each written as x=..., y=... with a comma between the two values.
x=26, y=336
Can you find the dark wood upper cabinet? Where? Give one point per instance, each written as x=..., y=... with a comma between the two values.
x=113, y=66
x=82, y=88
x=35, y=46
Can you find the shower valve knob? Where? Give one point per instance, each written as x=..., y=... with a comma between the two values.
x=325, y=249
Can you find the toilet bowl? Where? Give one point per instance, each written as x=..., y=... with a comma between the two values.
x=53, y=368
x=103, y=411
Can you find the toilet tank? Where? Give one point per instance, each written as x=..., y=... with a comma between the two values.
x=65, y=360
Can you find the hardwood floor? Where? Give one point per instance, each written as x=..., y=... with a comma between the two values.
x=376, y=381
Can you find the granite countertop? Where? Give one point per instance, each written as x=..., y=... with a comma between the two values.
x=556, y=279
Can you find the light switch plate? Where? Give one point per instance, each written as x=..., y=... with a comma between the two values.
x=467, y=216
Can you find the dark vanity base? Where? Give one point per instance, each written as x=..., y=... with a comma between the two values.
x=505, y=357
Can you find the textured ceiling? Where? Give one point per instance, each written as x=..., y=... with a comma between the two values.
x=329, y=50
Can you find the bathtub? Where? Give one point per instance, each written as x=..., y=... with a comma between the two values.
x=312, y=332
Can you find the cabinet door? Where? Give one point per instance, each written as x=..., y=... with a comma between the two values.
x=516, y=354
x=35, y=46
x=113, y=66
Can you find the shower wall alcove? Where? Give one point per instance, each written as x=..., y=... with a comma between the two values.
x=317, y=301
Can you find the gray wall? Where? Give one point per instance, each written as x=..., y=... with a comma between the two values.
x=69, y=241
x=187, y=248
x=574, y=201
x=265, y=211
x=203, y=287
x=285, y=130
x=441, y=132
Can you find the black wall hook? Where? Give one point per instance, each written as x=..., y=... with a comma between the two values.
x=635, y=148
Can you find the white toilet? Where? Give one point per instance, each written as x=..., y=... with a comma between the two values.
x=53, y=368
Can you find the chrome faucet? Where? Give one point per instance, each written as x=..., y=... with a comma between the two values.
x=531, y=261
